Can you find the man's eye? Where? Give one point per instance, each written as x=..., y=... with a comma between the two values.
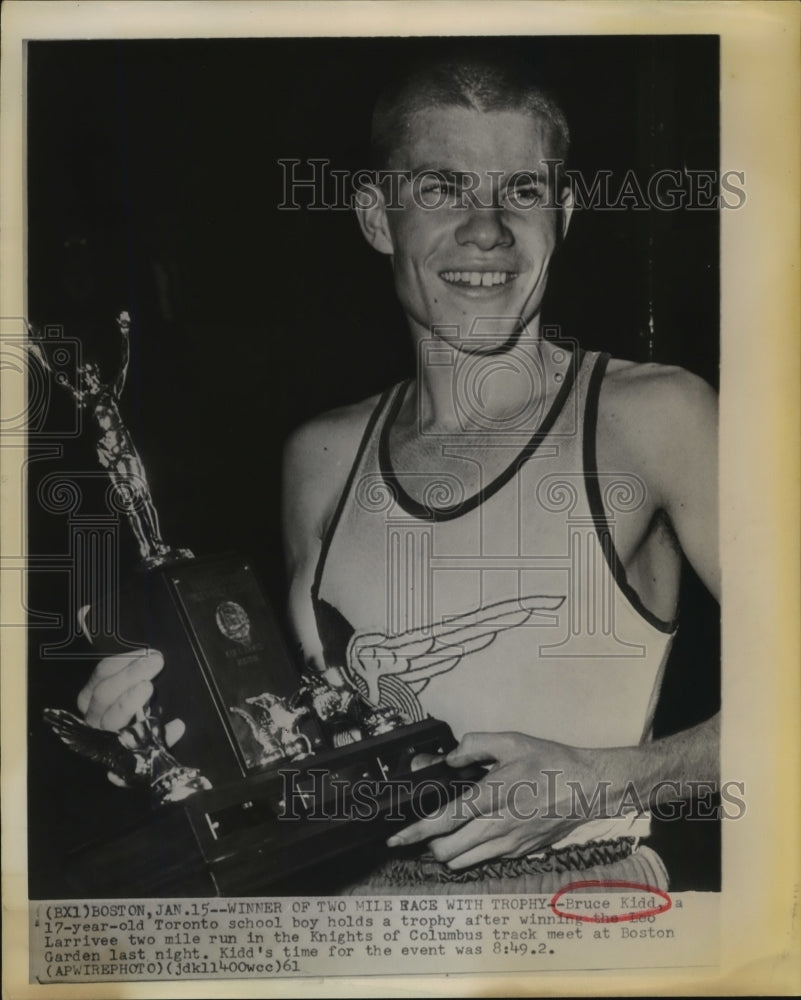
x=439, y=187
x=524, y=195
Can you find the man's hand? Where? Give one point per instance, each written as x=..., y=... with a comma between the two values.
x=537, y=791
x=118, y=691
x=523, y=803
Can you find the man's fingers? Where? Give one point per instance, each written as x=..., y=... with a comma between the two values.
x=120, y=713
x=485, y=851
x=121, y=676
x=476, y=801
x=112, y=665
x=442, y=822
x=424, y=829
x=421, y=760
x=469, y=837
x=478, y=748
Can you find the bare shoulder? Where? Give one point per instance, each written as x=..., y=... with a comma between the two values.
x=660, y=420
x=318, y=456
x=639, y=390
x=645, y=404
x=329, y=438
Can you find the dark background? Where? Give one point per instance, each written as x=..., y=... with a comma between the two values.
x=153, y=185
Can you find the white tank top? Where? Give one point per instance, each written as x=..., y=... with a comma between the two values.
x=504, y=611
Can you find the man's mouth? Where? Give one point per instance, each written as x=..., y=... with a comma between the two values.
x=475, y=279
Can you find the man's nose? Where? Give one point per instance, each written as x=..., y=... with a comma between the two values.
x=484, y=228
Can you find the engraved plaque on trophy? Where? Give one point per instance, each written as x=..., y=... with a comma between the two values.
x=264, y=781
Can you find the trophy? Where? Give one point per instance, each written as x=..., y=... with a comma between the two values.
x=278, y=769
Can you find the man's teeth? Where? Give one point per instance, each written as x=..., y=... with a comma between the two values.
x=485, y=278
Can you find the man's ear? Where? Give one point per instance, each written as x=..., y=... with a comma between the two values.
x=371, y=211
x=567, y=210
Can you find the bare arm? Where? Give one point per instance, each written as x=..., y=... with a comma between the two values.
x=317, y=460
x=557, y=788
x=672, y=441
x=302, y=515
x=669, y=436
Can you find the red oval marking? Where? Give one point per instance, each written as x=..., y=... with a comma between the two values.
x=612, y=918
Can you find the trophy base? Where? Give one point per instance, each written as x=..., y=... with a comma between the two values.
x=277, y=833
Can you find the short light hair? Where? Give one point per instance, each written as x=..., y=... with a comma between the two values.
x=478, y=82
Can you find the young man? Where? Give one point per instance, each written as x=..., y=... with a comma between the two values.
x=497, y=542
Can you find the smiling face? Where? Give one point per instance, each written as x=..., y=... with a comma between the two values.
x=476, y=225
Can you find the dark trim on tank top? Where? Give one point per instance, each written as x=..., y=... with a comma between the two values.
x=593, y=488
x=332, y=526
x=424, y=513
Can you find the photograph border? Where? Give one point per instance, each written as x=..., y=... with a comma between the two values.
x=759, y=457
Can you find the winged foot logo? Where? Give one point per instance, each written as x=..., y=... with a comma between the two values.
x=394, y=670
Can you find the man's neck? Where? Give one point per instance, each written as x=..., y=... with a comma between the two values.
x=459, y=391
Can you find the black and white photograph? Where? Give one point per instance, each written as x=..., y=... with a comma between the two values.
x=372, y=497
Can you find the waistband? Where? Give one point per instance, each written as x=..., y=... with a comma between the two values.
x=575, y=857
